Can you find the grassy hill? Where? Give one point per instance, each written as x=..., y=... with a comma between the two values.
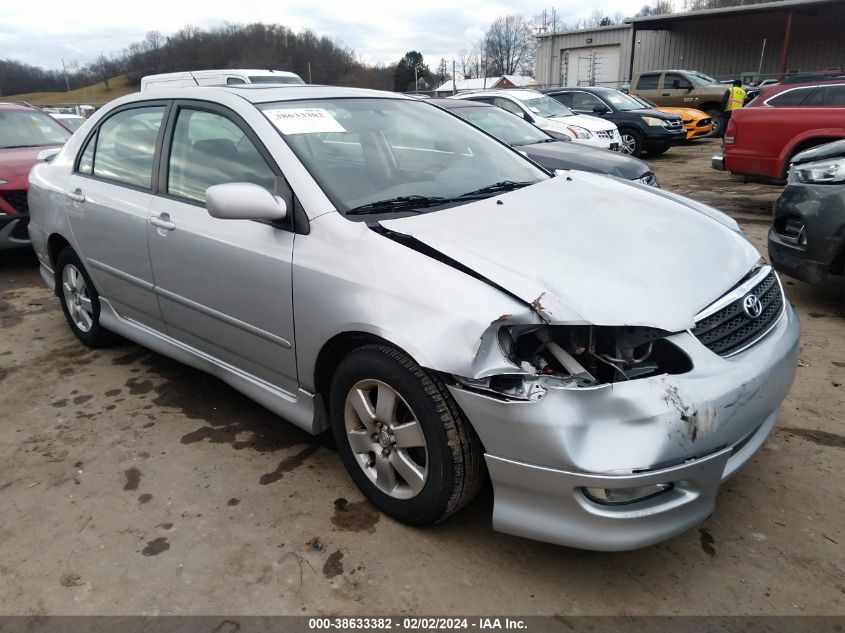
x=95, y=94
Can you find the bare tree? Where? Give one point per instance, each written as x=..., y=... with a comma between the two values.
x=103, y=69
x=509, y=44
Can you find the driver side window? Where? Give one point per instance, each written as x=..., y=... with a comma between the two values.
x=675, y=82
x=585, y=102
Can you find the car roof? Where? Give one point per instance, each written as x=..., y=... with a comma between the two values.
x=552, y=91
x=265, y=93
x=450, y=104
x=775, y=89
x=17, y=105
x=516, y=93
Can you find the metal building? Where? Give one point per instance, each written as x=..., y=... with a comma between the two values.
x=751, y=41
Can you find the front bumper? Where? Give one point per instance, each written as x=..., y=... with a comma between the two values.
x=692, y=430
x=807, y=235
x=13, y=231
x=654, y=136
x=605, y=141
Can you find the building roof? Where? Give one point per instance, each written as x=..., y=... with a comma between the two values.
x=481, y=83
x=668, y=20
x=611, y=27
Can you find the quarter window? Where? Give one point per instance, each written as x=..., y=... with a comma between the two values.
x=86, y=161
x=648, y=82
x=124, y=147
x=795, y=97
x=209, y=149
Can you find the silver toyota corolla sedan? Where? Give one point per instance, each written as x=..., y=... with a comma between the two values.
x=368, y=263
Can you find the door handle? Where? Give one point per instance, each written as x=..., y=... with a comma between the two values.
x=76, y=196
x=666, y=94
x=163, y=222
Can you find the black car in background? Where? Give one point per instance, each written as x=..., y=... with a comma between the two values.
x=641, y=129
x=807, y=236
x=541, y=147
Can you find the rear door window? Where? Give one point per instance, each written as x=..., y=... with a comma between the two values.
x=648, y=82
x=507, y=104
x=834, y=96
x=125, y=146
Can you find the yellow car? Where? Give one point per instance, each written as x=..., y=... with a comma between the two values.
x=696, y=122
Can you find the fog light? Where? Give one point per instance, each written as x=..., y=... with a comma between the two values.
x=621, y=496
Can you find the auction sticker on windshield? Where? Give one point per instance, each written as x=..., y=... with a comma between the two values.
x=303, y=120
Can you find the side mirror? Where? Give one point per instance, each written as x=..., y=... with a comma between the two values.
x=243, y=201
x=599, y=109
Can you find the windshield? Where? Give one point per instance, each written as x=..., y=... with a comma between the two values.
x=704, y=79
x=623, y=102
x=363, y=151
x=503, y=125
x=546, y=107
x=29, y=128
x=73, y=122
x=275, y=79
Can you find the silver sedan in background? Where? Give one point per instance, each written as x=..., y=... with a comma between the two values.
x=363, y=262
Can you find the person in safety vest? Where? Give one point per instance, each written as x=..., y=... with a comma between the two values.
x=733, y=100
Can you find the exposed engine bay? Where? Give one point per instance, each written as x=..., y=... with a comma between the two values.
x=579, y=356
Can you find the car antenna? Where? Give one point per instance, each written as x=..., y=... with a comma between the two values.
x=194, y=78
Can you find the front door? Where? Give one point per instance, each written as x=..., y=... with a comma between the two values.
x=224, y=285
x=677, y=91
x=108, y=199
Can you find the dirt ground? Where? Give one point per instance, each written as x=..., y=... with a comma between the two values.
x=130, y=484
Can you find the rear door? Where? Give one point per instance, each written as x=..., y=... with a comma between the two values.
x=648, y=86
x=224, y=285
x=108, y=199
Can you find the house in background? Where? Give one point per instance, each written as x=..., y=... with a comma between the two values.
x=482, y=83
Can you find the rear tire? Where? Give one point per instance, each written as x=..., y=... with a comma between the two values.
x=402, y=438
x=80, y=301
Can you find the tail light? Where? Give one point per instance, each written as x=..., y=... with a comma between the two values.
x=730, y=133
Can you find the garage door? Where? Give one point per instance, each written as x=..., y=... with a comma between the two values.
x=594, y=66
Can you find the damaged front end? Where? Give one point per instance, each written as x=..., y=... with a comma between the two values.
x=523, y=361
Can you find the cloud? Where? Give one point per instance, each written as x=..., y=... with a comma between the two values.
x=379, y=31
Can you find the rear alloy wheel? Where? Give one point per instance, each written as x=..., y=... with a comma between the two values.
x=80, y=301
x=402, y=438
x=632, y=143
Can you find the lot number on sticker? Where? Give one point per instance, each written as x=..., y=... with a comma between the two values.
x=303, y=120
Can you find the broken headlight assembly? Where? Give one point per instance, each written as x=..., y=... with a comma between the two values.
x=578, y=356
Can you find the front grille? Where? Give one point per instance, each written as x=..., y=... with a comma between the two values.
x=791, y=229
x=731, y=330
x=17, y=199
x=674, y=124
x=607, y=134
x=704, y=123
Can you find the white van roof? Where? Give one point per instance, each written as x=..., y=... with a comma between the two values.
x=186, y=78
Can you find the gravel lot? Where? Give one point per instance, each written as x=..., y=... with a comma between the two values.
x=130, y=484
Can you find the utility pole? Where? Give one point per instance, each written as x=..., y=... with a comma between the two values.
x=64, y=70
x=416, y=81
x=552, y=48
x=309, y=73
x=454, y=85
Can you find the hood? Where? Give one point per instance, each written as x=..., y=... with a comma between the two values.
x=835, y=149
x=657, y=114
x=564, y=155
x=15, y=163
x=591, y=123
x=686, y=113
x=584, y=248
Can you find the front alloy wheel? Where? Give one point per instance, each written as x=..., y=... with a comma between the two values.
x=386, y=438
x=402, y=438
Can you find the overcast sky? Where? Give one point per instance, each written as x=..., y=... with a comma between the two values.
x=42, y=33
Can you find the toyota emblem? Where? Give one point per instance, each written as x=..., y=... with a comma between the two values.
x=752, y=306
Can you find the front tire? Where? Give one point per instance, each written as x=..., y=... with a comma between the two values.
x=718, y=123
x=632, y=142
x=402, y=438
x=80, y=301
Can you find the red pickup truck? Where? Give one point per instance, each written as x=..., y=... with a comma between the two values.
x=761, y=138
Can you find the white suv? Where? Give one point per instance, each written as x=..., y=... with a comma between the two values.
x=550, y=115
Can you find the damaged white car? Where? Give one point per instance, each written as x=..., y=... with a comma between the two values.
x=365, y=262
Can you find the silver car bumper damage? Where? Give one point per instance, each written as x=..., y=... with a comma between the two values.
x=690, y=430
